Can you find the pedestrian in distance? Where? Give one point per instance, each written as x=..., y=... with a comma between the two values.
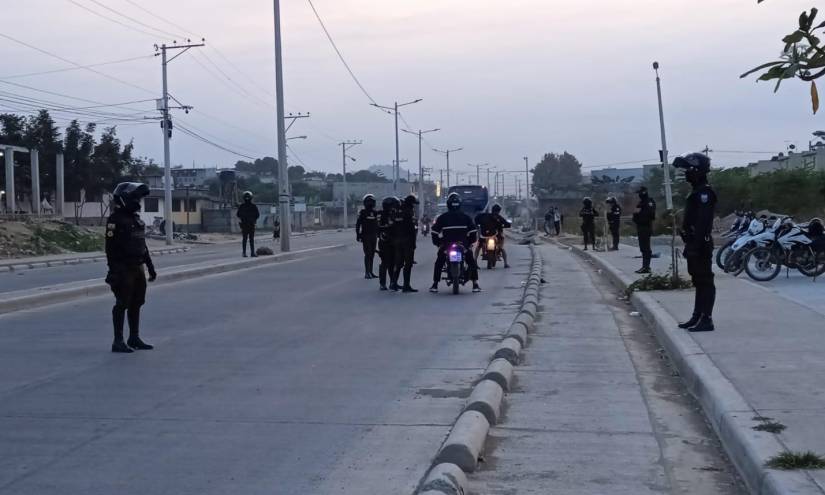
x=588, y=215
x=696, y=232
x=386, y=249
x=614, y=220
x=643, y=217
x=248, y=214
x=366, y=232
x=558, y=218
x=126, y=255
x=405, y=232
x=454, y=226
x=549, y=218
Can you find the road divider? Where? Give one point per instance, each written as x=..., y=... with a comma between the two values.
x=444, y=479
x=499, y=371
x=44, y=296
x=465, y=442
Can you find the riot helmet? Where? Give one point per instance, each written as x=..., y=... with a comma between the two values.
x=127, y=195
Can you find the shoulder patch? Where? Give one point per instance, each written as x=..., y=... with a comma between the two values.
x=704, y=197
x=110, y=226
x=110, y=234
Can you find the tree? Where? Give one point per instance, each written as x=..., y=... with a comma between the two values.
x=803, y=57
x=295, y=173
x=556, y=171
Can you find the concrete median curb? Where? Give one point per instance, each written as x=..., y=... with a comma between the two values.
x=486, y=399
x=508, y=349
x=499, y=371
x=44, y=296
x=75, y=259
x=465, y=442
x=725, y=407
x=445, y=479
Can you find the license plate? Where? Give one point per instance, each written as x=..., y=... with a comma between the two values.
x=455, y=256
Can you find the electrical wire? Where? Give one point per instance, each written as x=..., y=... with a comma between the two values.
x=63, y=95
x=116, y=12
x=68, y=69
x=110, y=19
x=298, y=158
x=214, y=137
x=197, y=136
x=147, y=11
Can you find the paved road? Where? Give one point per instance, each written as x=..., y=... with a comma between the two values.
x=293, y=378
x=42, y=277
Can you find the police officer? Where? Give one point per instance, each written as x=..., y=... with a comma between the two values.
x=405, y=230
x=386, y=249
x=126, y=253
x=366, y=232
x=248, y=214
x=454, y=226
x=614, y=220
x=493, y=224
x=588, y=215
x=700, y=207
x=643, y=217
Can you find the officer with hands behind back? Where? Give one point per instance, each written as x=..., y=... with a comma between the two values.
x=588, y=215
x=126, y=253
x=614, y=220
x=405, y=230
x=366, y=232
x=643, y=218
x=386, y=248
x=248, y=214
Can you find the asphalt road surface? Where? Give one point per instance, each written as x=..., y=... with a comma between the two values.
x=299, y=377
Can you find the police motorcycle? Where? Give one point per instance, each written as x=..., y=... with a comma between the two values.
x=759, y=234
x=737, y=230
x=456, y=267
x=791, y=248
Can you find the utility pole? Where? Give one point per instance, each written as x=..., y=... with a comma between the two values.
x=665, y=164
x=394, y=111
x=527, y=177
x=346, y=146
x=440, y=183
x=488, y=178
x=166, y=127
x=447, y=152
x=478, y=170
x=496, y=188
x=420, y=134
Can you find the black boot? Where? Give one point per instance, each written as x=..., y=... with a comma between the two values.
x=408, y=289
x=643, y=270
x=134, y=332
x=434, y=287
x=705, y=325
x=121, y=347
x=118, y=317
x=691, y=322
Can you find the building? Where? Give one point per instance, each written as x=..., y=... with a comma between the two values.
x=813, y=159
x=193, y=177
x=611, y=174
x=357, y=190
x=187, y=208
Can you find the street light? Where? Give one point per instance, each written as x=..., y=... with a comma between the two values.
x=447, y=152
x=420, y=135
x=296, y=137
x=394, y=109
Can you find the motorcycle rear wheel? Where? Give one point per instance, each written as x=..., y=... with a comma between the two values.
x=761, y=264
x=815, y=266
x=723, y=253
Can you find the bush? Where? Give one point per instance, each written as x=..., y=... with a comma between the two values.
x=796, y=460
x=658, y=281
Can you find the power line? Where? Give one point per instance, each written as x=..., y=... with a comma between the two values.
x=116, y=12
x=631, y=162
x=68, y=69
x=295, y=155
x=176, y=26
x=110, y=19
x=216, y=138
x=197, y=136
x=63, y=95
x=79, y=66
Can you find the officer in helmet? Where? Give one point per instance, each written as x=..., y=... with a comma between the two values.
x=614, y=220
x=643, y=217
x=493, y=224
x=126, y=254
x=386, y=248
x=405, y=230
x=588, y=215
x=700, y=207
x=454, y=226
x=366, y=232
x=248, y=214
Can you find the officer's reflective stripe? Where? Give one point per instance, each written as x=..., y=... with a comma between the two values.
x=456, y=227
x=472, y=231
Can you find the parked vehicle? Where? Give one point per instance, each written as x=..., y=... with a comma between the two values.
x=791, y=248
x=758, y=234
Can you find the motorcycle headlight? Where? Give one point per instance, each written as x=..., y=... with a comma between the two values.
x=491, y=244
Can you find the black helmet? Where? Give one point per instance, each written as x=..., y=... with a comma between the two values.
x=496, y=208
x=698, y=162
x=610, y=199
x=389, y=203
x=642, y=192
x=587, y=202
x=128, y=195
x=453, y=202
x=369, y=201
x=247, y=195
x=410, y=200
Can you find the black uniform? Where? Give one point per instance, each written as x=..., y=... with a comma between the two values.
x=404, y=230
x=248, y=214
x=386, y=249
x=700, y=207
x=454, y=227
x=126, y=253
x=366, y=232
x=644, y=227
x=614, y=221
x=549, y=217
x=588, y=215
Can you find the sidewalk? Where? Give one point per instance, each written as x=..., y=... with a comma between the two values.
x=13, y=264
x=767, y=354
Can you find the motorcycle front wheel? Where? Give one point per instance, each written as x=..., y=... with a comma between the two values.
x=455, y=274
x=724, y=253
x=735, y=263
x=762, y=265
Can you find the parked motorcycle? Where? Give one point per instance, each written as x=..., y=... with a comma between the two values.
x=739, y=228
x=791, y=248
x=757, y=235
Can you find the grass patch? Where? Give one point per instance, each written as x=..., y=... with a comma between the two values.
x=796, y=460
x=65, y=237
x=657, y=281
x=770, y=427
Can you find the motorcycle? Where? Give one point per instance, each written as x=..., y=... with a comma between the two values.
x=490, y=251
x=739, y=228
x=456, y=267
x=791, y=247
x=757, y=235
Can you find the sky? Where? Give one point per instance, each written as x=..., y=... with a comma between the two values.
x=502, y=80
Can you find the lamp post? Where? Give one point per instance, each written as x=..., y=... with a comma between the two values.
x=447, y=153
x=420, y=135
x=394, y=110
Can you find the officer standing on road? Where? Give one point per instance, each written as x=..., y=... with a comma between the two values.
x=248, y=214
x=366, y=232
x=643, y=218
x=405, y=230
x=126, y=253
x=588, y=215
x=614, y=220
x=454, y=226
x=386, y=250
x=696, y=232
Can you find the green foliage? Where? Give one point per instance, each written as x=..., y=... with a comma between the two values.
x=657, y=281
x=798, y=192
x=556, y=171
x=796, y=460
x=49, y=238
x=803, y=57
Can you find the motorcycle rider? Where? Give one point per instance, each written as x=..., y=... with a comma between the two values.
x=405, y=230
x=614, y=220
x=425, y=224
x=454, y=226
x=366, y=232
x=588, y=215
x=700, y=206
x=492, y=224
x=643, y=218
x=126, y=253
x=248, y=214
x=386, y=250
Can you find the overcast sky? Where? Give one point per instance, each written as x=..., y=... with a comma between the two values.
x=501, y=79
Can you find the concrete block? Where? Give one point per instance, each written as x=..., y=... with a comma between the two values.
x=444, y=479
x=518, y=332
x=526, y=320
x=509, y=349
x=530, y=308
x=465, y=442
x=500, y=371
x=531, y=298
x=486, y=399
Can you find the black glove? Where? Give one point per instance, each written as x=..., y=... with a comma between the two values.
x=436, y=240
x=358, y=238
x=153, y=275
x=113, y=277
